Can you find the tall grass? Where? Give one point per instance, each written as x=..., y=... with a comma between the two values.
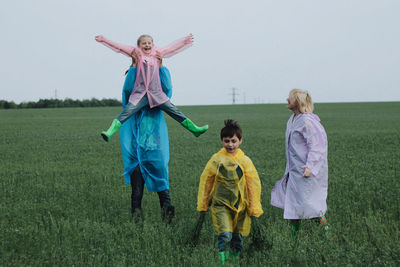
x=63, y=203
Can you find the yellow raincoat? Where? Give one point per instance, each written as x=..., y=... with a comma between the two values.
x=220, y=184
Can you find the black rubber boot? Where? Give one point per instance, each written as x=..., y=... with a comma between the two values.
x=167, y=213
x=167, y=209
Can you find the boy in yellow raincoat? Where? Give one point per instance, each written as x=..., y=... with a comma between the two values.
x=231, y=186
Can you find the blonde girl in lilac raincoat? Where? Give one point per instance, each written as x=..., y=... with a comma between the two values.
x=302, y=191
x=147, y=90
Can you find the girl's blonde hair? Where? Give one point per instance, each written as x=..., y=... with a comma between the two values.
x=303, y=100
x=142, y=36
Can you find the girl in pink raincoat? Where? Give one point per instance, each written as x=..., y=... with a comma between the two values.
x=147, y=89
x=302, y=191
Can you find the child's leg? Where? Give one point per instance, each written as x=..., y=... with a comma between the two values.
x=137, y=184
x=295, y=227
x=237, y=242
x=236, y=246
x=131, y=109
x=223, y=239
x=167, y=210
x=177, y=115
x=326, y=228
x=172, y=111
x=126, y=113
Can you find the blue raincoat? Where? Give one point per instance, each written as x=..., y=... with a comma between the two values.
x=144, y=138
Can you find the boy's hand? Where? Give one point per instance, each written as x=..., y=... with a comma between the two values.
x=195, y=234
x=307, y=172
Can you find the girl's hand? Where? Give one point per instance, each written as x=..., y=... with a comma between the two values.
x=189, y=39
x=159, y=57
x=307, y=172
x=99, y=38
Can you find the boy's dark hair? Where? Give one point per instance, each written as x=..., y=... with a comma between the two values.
x=230, y=129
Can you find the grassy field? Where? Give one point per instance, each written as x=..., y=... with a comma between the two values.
x=62, y=201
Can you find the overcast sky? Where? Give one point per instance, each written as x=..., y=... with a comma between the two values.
x=339, y=50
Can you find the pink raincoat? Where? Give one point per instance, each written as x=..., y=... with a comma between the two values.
x=306, y=144
x=147, y=77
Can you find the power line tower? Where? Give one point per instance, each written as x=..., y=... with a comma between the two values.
x=234, y=94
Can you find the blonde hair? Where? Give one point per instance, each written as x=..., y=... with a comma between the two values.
x=303, y=100
x=143, y=36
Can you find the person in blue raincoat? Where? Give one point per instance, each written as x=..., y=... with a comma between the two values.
x=145, y=148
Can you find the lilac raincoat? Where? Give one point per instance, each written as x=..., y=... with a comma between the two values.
x=306, y=144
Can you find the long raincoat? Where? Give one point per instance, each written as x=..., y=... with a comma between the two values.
x=147, y=77
x=232, y=185
x=306, y=144
x=144, y=138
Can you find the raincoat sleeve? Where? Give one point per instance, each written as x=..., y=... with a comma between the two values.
x=253, y=184
x=119, y=48
x=206, y=185
x=177, y=46
x=316, y=142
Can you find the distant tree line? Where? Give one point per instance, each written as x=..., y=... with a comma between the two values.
x=58, y=103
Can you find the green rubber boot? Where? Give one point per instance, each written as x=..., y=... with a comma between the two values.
x=295, y=228
x=221, y=258
x=234, y=256
x=228, y=254
x=197, y=131
x=115, y=125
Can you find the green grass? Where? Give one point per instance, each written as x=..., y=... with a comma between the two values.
x=63, y=203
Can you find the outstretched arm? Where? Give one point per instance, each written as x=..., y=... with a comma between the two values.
x=119, y=48
x=177, y=46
